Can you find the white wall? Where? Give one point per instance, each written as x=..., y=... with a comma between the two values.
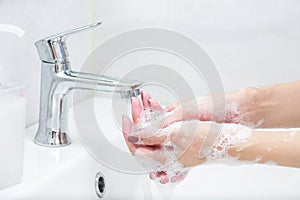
x=19, y=60
x=252, y=42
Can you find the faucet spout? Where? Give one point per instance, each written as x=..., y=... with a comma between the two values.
x=58, y=81
x=56, y=90
x=127, y=88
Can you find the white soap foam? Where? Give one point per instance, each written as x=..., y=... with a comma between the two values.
x=290, y=136
x=231, y=136
x=258, y=159
x=171, y=167
x=151, y=123
x=235, y=115
x=271, y=163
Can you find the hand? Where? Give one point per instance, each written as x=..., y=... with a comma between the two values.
x=127, y=126
x=130, y=141
x=189, y=137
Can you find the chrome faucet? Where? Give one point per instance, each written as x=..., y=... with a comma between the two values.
x=58, y=79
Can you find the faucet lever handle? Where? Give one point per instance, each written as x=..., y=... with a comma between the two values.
x=63, y=36
x=53, y=49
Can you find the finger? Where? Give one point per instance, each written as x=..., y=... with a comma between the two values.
x=184, y=112
x=154, y=154
x=153, y=175
x=172, y=117
x=126, y=129
x=154, y=140
x=136, y=109
x=164, y=179
x=172, y=106
x=160, y=173
x=132, y=139
x=168, y=117
x=155, y=105
x=160, y=138
x=145, y=97
x=178, y=177
x=175, y=105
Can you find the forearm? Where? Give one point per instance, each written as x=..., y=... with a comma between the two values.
x=281, y=147
x=269, y=106
x=283, y=105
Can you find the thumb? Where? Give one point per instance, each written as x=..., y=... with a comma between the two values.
x=126, y=129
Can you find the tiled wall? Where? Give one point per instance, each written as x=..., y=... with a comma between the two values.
x=251, y=42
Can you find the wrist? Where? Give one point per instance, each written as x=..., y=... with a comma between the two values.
x=230, y=142
x=252, y=104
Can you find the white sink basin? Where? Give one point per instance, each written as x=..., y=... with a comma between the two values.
x=69, y=173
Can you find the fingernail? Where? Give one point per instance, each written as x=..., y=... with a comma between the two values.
x=132, y=139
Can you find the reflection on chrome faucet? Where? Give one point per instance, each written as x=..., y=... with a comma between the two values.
x=58, y=80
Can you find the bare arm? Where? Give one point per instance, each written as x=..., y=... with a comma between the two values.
x=238, y=141
x=281, y=147
x=275, y=106
x=272, y=106
x=281, y=107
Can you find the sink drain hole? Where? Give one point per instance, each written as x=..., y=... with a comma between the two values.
x=100, y=185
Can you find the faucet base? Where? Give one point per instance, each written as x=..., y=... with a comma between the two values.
x=53, y=139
